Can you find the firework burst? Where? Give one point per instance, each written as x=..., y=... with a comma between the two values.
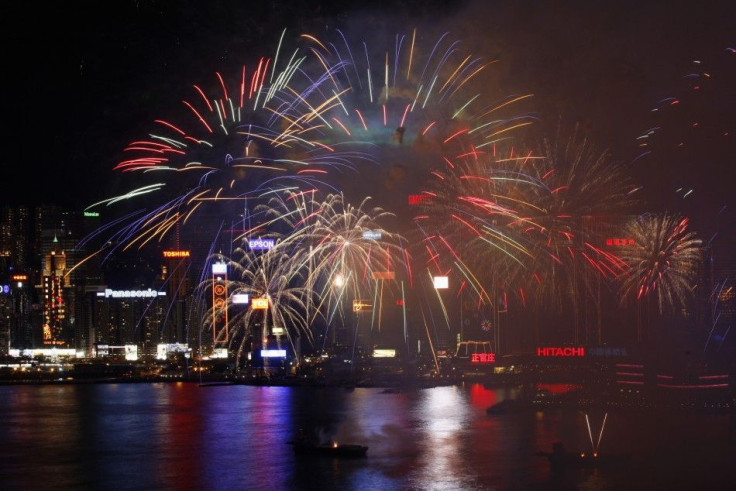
x=578, y=185
x=414, y=105
x=325, y=254
x=268, y=276
x=662, y=263
x=228, y=149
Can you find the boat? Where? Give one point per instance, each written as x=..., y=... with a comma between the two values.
x=307, y=447
x=216, y=384
x=508, y=406
x=561, y=459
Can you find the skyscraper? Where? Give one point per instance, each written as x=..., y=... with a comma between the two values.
x=54, y=292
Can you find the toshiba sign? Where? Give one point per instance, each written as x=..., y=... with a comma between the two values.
x=176, y=253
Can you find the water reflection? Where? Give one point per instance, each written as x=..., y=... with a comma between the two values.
x=181, y=436
x=443, y=417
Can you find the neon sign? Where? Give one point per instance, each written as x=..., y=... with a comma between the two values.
x=176, y=253
x=130, y=293
x=418, y=199
x=240, y=298
x=441, y=282
x=19, y=277
x=91, y=213
x=259, y=304
x=608, y=351
x=619, y=242
x=361, y=305
x=261, y=244
x=220, y=325
x=563, y=352
x=273, y=353
x=483, y=358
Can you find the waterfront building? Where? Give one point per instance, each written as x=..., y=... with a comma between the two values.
x=128, y=317
x=54, y=293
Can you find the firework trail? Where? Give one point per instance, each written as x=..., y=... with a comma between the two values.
x=416, y=105
x=422, y=108
x=427, y=110
x=228, y=148
x=324, y=252
x=682, y=116
x=362, y=124
x=580, y=185
x=520, y=217
x=350, y=248
x=261, y=275
x=690, y=130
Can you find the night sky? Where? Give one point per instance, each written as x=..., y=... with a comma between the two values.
x=82, y=79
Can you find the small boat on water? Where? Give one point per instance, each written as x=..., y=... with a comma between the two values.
x=508, y=406
x=305, y=446
x=215, y=384
x=560, y=458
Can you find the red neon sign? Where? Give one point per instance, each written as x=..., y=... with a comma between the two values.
x=418, y=199
x=619, y=242
x=483, y=358
x=564, y=352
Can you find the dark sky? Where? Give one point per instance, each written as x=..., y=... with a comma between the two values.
x=82, y=79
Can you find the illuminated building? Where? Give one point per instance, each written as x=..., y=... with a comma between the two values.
x=219, y=305
x=17, y=247
x=60, y=230
x=19, y=253
x=175, y=274
x=54, y=288
x=128, y=317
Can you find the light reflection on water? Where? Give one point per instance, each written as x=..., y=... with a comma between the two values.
x=182, y=436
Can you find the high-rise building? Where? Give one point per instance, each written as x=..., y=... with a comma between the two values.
x=55, y=289
x=18, y=246
x=123, y=317
x=175, y=273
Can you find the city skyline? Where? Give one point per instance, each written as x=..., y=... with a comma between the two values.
x=461, y=236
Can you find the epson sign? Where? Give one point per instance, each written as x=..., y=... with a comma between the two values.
x=261, y=244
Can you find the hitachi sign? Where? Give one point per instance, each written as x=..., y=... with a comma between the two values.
x=130, y=293
x=567, y=351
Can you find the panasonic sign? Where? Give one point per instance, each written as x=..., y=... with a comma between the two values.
x=108, y=293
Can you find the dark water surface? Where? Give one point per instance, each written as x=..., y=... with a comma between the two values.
x=182, y=436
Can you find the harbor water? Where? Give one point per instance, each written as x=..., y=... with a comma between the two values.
x=176, y=436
